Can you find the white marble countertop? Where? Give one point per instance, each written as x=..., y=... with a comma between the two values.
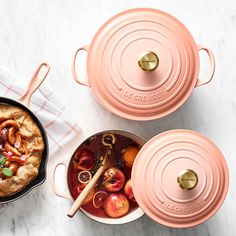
x=40, y=30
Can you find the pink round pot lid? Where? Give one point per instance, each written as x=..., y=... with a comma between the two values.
x=142, y=64
x=180, y=178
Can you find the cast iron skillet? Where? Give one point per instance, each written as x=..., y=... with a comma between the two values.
x=23, y=103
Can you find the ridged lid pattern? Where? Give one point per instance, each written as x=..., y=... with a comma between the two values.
x=155, y=173
x=121, y=85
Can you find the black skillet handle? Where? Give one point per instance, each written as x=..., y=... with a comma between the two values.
x=38, y=77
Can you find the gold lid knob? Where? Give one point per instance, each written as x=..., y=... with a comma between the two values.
x=148, y=61
x=187, y=179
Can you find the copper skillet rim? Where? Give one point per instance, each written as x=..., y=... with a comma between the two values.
x=108, y=106
x=121, y=132
x=41, y=177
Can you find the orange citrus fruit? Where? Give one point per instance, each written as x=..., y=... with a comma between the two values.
x=129, y=155
x=99, y=199
x=84, y=176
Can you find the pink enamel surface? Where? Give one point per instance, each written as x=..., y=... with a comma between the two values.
x=115, y=77
x=154, y=178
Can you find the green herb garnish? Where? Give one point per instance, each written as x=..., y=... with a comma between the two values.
x=98, y=164
x=6, y=171
x=3, y=160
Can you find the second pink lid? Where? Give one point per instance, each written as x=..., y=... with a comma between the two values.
x=180, y=178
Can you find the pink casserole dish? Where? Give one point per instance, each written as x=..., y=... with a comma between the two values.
x=143, y=64
x=179, y=179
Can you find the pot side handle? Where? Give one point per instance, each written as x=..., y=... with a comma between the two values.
x=35, y=82
x=212, y=66
x=73, y=67
x=62, y=195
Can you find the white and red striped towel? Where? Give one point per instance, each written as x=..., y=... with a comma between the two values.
x=59, y=124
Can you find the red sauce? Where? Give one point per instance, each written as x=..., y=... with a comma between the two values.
x=95, y=145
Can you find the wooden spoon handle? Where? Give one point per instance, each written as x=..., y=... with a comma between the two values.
x=76, y=205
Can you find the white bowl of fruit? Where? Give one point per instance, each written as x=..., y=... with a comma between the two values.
x=111, y=200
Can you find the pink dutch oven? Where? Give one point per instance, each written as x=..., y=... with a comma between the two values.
x=179, y=179
x=143, y=64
